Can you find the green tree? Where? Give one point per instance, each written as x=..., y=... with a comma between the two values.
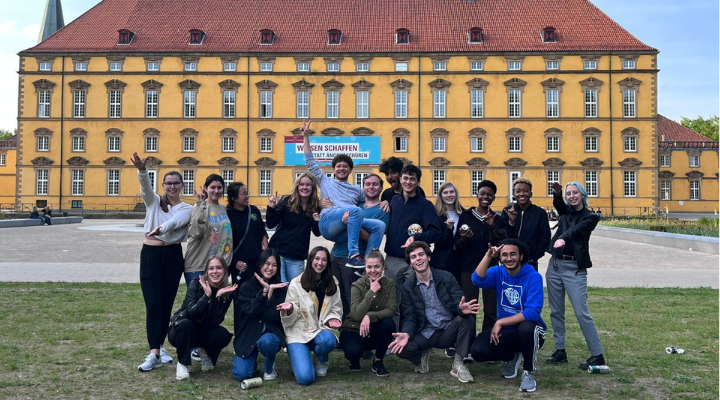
x=4, y=134
x=706, y=127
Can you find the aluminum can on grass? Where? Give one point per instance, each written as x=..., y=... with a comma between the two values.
x=598, y=369
x=674, y=350
x=251, y=383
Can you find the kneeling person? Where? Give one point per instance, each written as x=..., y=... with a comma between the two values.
x=435, y=314
x=519, y=330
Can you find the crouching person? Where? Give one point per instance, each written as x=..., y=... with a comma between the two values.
x=257, y=321
x=519, y=332
x=435, y=315
x=197, y=323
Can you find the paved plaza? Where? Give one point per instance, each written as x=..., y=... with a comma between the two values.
x=109, y=251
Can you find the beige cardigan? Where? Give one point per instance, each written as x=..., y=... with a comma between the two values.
x=303, y=324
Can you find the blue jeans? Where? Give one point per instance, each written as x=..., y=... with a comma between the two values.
x=301, y=361
x=332, y=228
x=268, y=345
x=189, y=276
x=290, y=269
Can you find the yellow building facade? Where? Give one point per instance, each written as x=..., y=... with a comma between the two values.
x=8, y=176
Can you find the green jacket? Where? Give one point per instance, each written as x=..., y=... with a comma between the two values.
x=364, y=301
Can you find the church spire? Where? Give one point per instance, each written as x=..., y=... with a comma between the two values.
x=52, y=21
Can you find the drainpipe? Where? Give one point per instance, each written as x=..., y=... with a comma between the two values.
x=247, y=124
x=612, y=164
x=62, y=132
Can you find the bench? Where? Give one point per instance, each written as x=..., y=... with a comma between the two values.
x=17, y=223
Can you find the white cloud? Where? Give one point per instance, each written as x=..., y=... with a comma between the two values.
x=8, y=81
x=31, y=31
x=7, y=26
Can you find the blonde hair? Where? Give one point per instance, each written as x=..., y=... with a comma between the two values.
x=293, y=200
x=521, y=180
x=225, y=269
x=441, y=208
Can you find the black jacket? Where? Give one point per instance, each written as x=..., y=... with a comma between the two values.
x=574, y=227
x=251, y=246
x=468, y=254
x=532, y=228
x=413, y=305
x=205, y=311
x=292, y=236
x=253, y=312
x=416, y=210
x=443, y=254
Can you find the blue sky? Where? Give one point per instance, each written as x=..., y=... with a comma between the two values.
x=685, y=32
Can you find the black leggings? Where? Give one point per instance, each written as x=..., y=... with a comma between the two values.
x=379, y=339
x=187, y=335
x=528, y=337
x=160, y=270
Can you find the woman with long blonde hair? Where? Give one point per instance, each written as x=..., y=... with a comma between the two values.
x=448, y=209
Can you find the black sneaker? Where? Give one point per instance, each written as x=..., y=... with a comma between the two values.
x=379, y=368
x=367, y=355
x=594, y=360
x=355, y=367
x=450, y=352
x=356, y=262
x=559, y=356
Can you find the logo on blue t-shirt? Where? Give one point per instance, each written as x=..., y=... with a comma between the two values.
x=511, y=300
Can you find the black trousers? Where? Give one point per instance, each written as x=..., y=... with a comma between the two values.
x=458, y=334
x=188, y=335
x=379, y=339
x=489, y=299
x=346, y=277
x=527, y=338
x=160, y=270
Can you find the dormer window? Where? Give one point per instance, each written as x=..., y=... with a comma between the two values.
x=549, y=35
x=196, y=36
x=334, y=36
x=267, y=36
x=125, y=36
x=402, y=36
x=475, y=35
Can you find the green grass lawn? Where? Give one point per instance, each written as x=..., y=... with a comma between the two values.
x=703, y=227
x=82, y=341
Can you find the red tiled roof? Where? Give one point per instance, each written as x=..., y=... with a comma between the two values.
x=670, y=131
x=9, y=143
x=367, y=26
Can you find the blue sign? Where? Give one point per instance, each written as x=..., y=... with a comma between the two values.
x=364, y=150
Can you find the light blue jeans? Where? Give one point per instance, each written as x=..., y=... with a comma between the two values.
x=290, y=269
x=301, y=360
x=332, y=228
x=189, y=276
x=268, y=345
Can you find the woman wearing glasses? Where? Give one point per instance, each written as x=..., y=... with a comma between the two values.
x=161, y=259
x=249, y=235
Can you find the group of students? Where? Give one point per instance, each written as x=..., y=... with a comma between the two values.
x=406, y=302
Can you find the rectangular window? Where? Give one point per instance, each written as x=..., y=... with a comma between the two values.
x=76, y=204
x=41, y=182
x=552, y=144
x=153, y=66
x=665, y=161
x=78, y=104
x=438, y=180
x=477, y=145
x=476, y=66
x=629, y=64
x=476, y=103
x=332, y=104
x=229, y=67
x=191, y=66
x=552, y=177
x=514, y=65
x=362, y=67
x=475, y=178
x=43, y=103
x=440, y=65
x=78, y=143
x=113, y=182
x=228, y=103
x=694, y=190
x=266, y=145
x=303, y=67
x=303, y=104
x=591, y=183
x=115, y=110
x=78, y=182
x=152, y=174
x=151, y=144
x=113, y=144
x=630, y=143
x=188, y=144
x=228, y=144
x=45, y=66
x=694, y=161
x=43, y=143
x=189, y=106
x=81, y=66
x=590, y=64
x=228, y=176
x=2, y=159
x=333, y=67
x=266, y=66
x=265, y=182
x=552, y=65
x=664, y=190
x=514, y=103
x=363, y=98
x=151, y=104
x=401, y=109
x=401, y=144
x=629, y=183
x=552, y=108
x=266, y=103
x=189, y=180
x=514, y=144
x=116, y=66
x=629, y=103
x=439, y=104
x=591, y=144
x=591, y=105
x=360, y=178
x=439, y=144
x=401, y=67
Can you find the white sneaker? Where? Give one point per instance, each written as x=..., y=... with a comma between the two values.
x=207, y=364
x=151, y=362
x=269, y=376
x=424, y=366
x=165, y=358
x=321, y=368
x=182, y=373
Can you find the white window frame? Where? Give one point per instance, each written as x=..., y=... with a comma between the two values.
x=79, y=103
x=78, y=144
x=629, y=103
x=514, y=103
x=439, y=104
x=43, y=143
x=44, y=98
x=189, y=103
x=189, y=144
x=477, y=65
x=266, y=67
x=152, y=174
x=228, y=176
x=113, y=144
x=114, y=104
x=115, y=66
x=665, y=190
x=552, y=144
x=552, y=65
x=359, y=178
x=551, y=177
x=229, y=104
x=401, y=105
x=629, y=64
x=229, y=66
x=81, y=66
x=401, y=67
x=41, y=181
x=665, y=161
x=440, y=65
x=515, y=144
x=2, y=159
x=630, y=183
x=477, y=145
x=332, y=109
x=590, y=64
x=630, y=144
x=303, y=67
x=77, y=182
x=362, y=104
x=189, y=182
x=151, y=144
x=552, y=103
x=265, y=184
x=591, y=144
x=477, y=103
x=591, y=103
x=333, y=67
x=591, y=183
x=266, y=104
x=45, y=66
x=266, y=144
x=303, y=103
x=190, y=66
x=476, y=176
x=152, y=100
x=153, y=66
x=514, y=65
x=113, y=182
x=401, y=144
x=362, y=67
x=228, y=144
x=439, y=177
x=439, y=144
x=694, y=161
